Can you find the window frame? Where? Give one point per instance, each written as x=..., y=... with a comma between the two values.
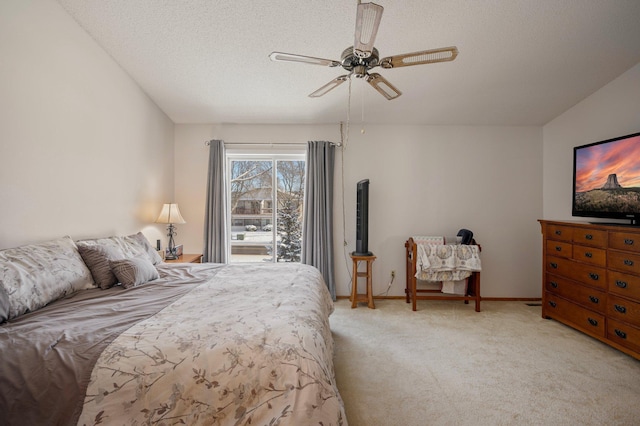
x=251, y=153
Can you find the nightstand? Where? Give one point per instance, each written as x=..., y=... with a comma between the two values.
x=187, y=258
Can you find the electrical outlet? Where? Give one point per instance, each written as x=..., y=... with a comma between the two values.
x=393, y=274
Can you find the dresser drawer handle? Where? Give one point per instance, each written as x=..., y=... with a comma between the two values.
x=553, y=284
x=552, y=304
x=558, y=232
x=558, y=248
x=588, y=237
x=594, y=299
x=621, y=334
x=594, y=276
x=593, y=322
x=620, y=309
x=554, y=265
x=628, y=262
x=628, y=241
x=621, y=284
x=588, y=254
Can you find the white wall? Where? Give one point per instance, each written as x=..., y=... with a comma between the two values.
x=612, y=111
x=425, y=180
x=83, y=151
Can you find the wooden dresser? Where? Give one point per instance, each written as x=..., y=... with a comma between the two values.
x=591, y=280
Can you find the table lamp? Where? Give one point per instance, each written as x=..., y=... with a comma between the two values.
x=170, y=214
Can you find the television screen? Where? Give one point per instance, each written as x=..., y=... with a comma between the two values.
x=606, y=178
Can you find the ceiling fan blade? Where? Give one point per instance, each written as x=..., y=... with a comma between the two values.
x=329, y=86
x=367, y=23
x=291, y=57
x=444, y=54
x=381, y=84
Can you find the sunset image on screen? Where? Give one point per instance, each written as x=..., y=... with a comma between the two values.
x=607, y=177
x=595, y=164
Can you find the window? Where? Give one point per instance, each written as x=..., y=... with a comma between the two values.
x=266, y=224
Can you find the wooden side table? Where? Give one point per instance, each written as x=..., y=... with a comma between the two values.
x=187, y=258
x=368, y=296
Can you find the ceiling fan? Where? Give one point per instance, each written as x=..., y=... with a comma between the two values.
x=360, y=58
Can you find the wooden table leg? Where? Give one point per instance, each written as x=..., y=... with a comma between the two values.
x=354, y=285
x=370, y=285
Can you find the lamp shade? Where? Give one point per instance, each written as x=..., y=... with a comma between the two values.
x=170, y=214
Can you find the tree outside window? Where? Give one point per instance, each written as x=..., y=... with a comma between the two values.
x=255, y=227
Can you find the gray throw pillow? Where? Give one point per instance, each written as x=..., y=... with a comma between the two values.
x=134, y=271
x=5, y=308
x=97, y=257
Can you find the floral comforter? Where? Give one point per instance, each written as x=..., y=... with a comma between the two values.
x=449, y=262
x=250, y=346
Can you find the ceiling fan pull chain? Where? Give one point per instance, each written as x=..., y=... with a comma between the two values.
x=348, y=110
x=362, y=105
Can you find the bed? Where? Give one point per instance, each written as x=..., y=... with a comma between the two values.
x=191, y=344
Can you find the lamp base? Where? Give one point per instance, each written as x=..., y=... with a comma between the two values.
x=172, y=255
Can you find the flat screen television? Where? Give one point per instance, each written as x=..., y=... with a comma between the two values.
x=362, y=219
x=606, y=179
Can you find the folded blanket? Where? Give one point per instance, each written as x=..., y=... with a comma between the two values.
x=449, y=262
x=432, y=240
x=437, y=240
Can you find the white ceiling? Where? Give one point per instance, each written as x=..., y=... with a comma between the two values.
x=521, y=62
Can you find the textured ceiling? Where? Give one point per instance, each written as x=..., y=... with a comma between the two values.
x=521, y=62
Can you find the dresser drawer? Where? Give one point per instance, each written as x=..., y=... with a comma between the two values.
x=590, y=275
x=624, y=310
x=590, y=237
x=591, y=280
x=624, y=241
x=574, y=315
x=559, y=233
x=559, y=248
x=582, y=295
x=624, y=261
x=591, y=255
x=623, y=334
x=624, y=285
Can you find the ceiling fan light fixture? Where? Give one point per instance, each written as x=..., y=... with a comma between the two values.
x=360, y=58
x=367, y=23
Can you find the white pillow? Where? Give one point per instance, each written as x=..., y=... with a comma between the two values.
x=140, y=243
x=34, y=275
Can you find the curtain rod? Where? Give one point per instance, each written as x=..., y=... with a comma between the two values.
x=271, y=144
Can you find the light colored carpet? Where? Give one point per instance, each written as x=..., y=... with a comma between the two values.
x=445, y=364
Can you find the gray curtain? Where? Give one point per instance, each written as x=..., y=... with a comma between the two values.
x=317, y=245
x=215, y=217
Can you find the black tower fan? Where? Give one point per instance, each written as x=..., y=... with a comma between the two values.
x=362, y=219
